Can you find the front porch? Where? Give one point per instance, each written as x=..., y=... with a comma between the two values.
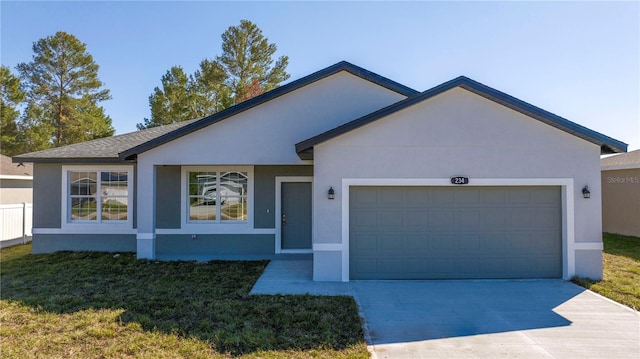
x=293, y=274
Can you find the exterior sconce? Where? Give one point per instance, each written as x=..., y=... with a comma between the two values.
x=585, y=192
x=331, y=194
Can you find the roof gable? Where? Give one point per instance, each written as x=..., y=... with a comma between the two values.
x=268, y=96
x=607, y=144
x=125, y=147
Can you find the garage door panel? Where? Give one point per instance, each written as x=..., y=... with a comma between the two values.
x=521, y=218
x=545, y=217
x=445, y=232
x=414, y=196
x=468, y=219
x=470, y=242
x=467, y=197
x=390, y=196
x=441, y=197
x=392, y=218
x=467, y=266
x=521, y=241
x=494, y=217
x=545, y=196
x=442, y=219
x=515, y=197
x=365, y=197
x=416, y=242
x=495, y=196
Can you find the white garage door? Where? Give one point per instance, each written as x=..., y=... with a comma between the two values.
x=455, y=232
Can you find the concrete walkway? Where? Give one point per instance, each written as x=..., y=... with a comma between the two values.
x=475, y=318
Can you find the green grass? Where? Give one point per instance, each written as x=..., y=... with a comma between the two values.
x=90, y=305
x=621, y=279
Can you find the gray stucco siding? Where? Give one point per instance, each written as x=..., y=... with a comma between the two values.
x=265, y=196
x=168, y=196
x=47, y=206
x=49, y=243
x=184, y=246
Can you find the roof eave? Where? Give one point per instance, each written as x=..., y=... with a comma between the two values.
x=268, y=96
x=19, y=159
x=607, y=144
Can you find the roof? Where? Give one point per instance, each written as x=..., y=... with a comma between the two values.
x=607, y=144
x=268, y=96
x=8, y=168
x=127, y=146
x=100, y=150
x=622, y=161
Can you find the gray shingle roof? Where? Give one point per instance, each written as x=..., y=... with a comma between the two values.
x=607, y=144
x=624, y=160
x=99, y=150
x=7, y=168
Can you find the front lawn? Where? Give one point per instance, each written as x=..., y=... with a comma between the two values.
x=621, y=262
x=89, y=305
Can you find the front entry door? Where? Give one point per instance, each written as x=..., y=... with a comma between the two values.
x=296, y=216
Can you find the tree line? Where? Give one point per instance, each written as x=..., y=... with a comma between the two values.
x=54, y=100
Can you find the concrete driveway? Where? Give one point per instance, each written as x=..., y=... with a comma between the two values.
x=473, y=318
x=494, y=319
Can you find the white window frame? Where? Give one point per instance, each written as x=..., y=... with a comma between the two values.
x=98, y=226
x=198, y=225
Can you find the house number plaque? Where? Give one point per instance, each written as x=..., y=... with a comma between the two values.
x=459, y=180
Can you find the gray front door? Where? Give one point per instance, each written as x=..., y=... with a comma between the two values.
x=296, y=215
x=455, y=232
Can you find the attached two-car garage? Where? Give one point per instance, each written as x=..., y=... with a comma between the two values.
x=447, y=232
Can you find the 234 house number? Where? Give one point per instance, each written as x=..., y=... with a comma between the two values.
x=459, y=180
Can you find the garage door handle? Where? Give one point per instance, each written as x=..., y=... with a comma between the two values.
x=284, y=220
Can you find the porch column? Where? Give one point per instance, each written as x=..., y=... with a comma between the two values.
x=146, y=211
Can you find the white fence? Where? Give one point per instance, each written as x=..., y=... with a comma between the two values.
x=15, y=223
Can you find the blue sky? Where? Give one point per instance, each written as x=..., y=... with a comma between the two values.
x=579, y=60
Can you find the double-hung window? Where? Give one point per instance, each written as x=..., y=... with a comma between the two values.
x=217, y=196
x=98, y=195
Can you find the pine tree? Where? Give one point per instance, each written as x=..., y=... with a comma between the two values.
x=247, y=59
x=244, y=70
x=63, y=92
x=11, y=96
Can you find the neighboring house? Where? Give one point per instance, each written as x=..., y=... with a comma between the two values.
x=16, y=181
x=621, y=194
x=351, y=167
x=16, y=197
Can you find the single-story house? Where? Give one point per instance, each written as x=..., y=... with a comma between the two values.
x=16, y=181
x=371, y=177
x=621, y=194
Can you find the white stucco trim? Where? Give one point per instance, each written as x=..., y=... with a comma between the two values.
x=16, y=177
x=86, y=229
x=115, y=227
x=145, y=236
x=216, y=230
x=146, y=246
x=330, y=247
x=588, y=246
x=567, y=193
x=278, y=212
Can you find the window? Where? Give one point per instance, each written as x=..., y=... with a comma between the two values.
x=217, y=196
x=98, y=196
